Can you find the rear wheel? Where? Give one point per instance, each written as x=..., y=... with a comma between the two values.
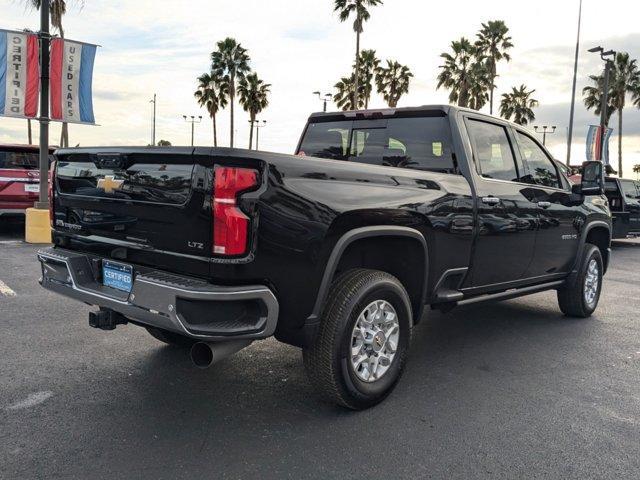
x=363, y=340
x=579, y=298
x=170, y=338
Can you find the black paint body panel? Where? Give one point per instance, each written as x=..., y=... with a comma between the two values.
x=305, y=205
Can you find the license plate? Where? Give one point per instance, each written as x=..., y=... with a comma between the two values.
x=31, y=187
x=117, y=275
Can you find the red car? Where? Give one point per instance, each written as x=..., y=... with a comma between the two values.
x=19, y=178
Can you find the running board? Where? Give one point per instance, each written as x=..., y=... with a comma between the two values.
x=513, y=293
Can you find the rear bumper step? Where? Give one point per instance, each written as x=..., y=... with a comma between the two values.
x=188, y=306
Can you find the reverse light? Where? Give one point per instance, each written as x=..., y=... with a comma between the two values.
x=230, y=224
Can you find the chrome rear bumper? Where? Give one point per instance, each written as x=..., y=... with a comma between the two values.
x=184, y=305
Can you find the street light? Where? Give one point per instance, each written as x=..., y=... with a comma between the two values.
x=604, y=98
x=153, y=136
x=544, y=132
x=192, y=120
x=258, y=127
x=324, y=98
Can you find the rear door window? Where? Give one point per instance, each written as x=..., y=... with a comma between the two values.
x=492, y=150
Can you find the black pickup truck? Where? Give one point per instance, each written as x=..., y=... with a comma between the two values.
x=337, y=249
x=624, y=201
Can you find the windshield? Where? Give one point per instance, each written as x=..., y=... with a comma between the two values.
x=422, y=143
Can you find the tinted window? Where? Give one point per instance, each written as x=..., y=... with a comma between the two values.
x=419, y=142
x=630, y=189
x=492, y=151
x=326, y=140
x=19, y=159
x=540, y=169
x=611, y=186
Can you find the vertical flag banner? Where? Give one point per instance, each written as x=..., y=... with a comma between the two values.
x=19, y=74
x=71, y=76
x=593, y=144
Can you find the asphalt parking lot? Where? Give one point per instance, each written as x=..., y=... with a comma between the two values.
x=508, y=390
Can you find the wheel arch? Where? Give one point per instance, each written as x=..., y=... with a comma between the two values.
x=598, y=233
x=372, y=238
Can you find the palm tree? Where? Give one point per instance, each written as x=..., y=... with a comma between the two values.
x=344, y=98
x=393, y=82
x=58, y=8
x=212, y=94
x=254, y=98
x=592, y=97
x=493, y=43
x=461, y=73
x=230, y=62
x=359, y=7
x=480, y=86
x=518, y=104
x=636, y=170
x=624, y=79
x=368, y=66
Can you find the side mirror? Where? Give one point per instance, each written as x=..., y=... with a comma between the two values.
x=592, y=178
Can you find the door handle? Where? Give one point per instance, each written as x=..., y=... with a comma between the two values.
x=544, y=204
x=491, y=200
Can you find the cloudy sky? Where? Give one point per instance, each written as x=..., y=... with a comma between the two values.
x=299, y=46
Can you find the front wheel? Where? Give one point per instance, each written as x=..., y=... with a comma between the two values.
x=580, y=296
x=363, y=340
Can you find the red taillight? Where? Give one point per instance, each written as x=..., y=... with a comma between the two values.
x=51, y=190
x=230, y=225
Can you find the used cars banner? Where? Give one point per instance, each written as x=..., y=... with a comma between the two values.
x=71, y=75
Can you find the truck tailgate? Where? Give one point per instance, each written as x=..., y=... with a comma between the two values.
x=143, y=200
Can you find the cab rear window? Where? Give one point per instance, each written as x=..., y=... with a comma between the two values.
x=422, y=143
x=23, y=160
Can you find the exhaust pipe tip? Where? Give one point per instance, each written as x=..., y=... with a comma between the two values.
x=202, y=355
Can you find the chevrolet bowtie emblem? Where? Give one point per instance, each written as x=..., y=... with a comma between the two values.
x=109, y=183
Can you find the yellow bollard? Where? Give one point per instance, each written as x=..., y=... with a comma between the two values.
x=37, y=227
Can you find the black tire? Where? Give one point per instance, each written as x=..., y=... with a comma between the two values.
x=572, y=297
x=170, y=338
x=328, y=359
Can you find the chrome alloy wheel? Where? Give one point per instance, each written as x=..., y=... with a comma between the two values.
x=591, y=282
x=374, y=341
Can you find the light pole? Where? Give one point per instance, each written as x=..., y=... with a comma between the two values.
x=323, y=98
x=43, y=202
x=544, y=132
x=258, y=127
x=192, y=119
x=573, y=90
x=604, y=98
x=153, y=135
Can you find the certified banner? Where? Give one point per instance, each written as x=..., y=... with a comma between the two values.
x=19, y=74
x=593, y=144
x=71, y=76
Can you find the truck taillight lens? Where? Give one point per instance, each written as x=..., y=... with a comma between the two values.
x=51, y=189
x=230, y=224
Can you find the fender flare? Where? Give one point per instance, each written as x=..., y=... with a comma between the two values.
x=583, y=240
x=357, y=234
